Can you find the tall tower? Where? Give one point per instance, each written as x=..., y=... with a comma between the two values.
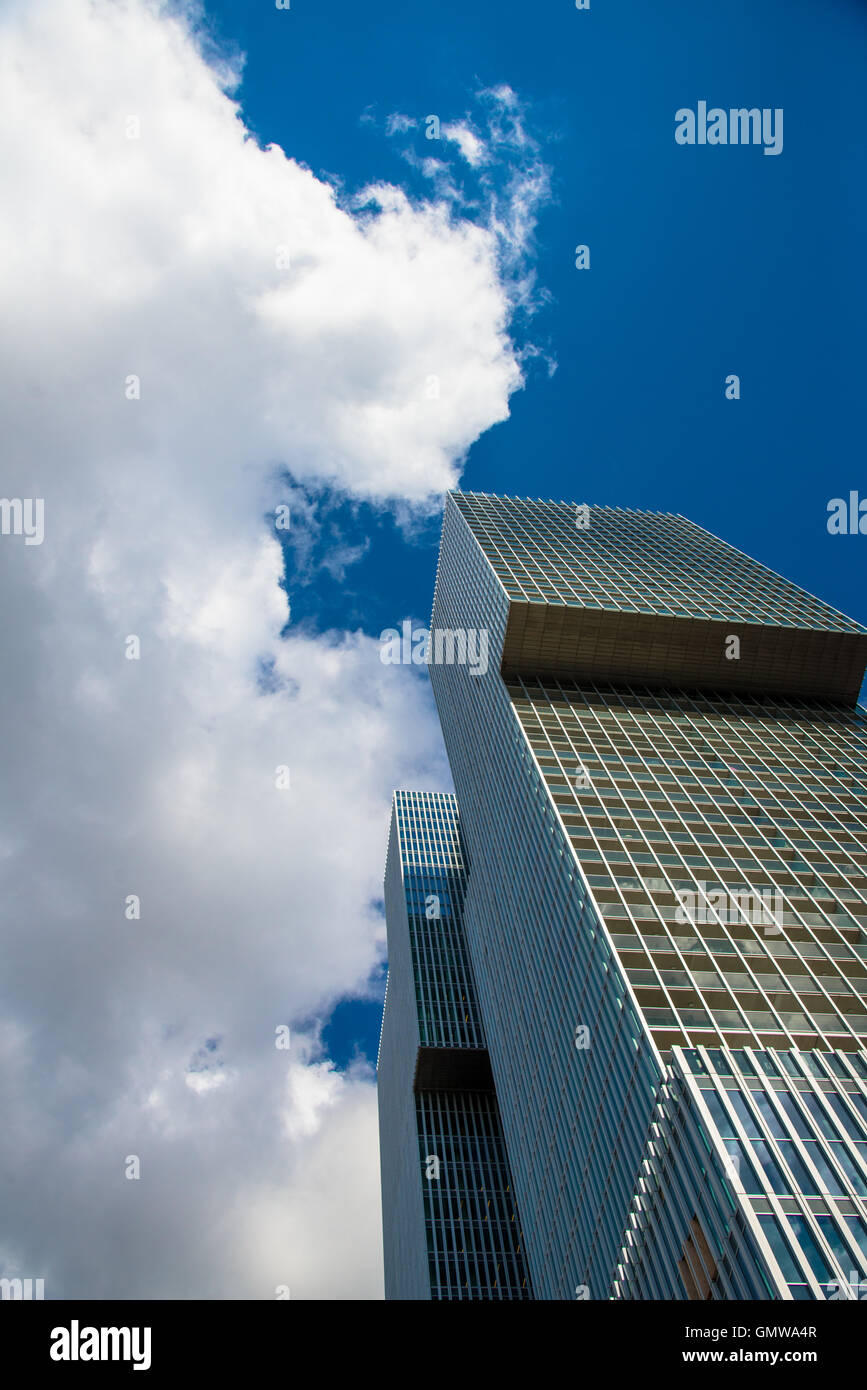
x=660, y=769
x=450, y=1223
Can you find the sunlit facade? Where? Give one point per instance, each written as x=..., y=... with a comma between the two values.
x=753, y=1183
x=662, y=781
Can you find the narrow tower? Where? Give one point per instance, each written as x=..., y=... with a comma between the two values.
x=450, y=1223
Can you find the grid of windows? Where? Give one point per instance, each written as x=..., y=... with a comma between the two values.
x=434, y=878
x=663, y=938
x=473, y=1234
x=724, y=840
x=450, y=1227
x=634, y=562
x=768, y=1151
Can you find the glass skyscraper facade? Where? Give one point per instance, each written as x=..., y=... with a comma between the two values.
x=662, y=782
x=450, y=1222
x=753, y=1183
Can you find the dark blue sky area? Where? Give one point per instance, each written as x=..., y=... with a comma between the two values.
x=705, y=261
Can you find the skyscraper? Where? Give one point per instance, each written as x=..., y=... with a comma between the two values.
x=662, y=783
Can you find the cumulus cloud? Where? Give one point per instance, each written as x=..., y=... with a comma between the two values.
x=189, y=318
x=331, y=319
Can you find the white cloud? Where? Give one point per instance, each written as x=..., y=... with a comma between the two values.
x=157, y=256
x=510, y=180
x=397, y=123
x=471, y=147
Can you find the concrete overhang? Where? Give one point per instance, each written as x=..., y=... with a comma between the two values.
x=596, y=644
x=453, y=1069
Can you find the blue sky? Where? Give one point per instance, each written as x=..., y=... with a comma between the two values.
x=703, y=262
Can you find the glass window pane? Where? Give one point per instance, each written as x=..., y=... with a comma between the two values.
x=807, y=1242
x=847, y=1120
x=859, y=1230
x=834, y=1063
x=842, y=1253
x=718, y=1114
x=768, y=1114
x=782, y=1254
x=860, y=1105
x=825, y=1171
x=810, y=1065
x=796, y=1119
x=803, y=1182
x=767, y=1063
x=744, y=1114
x=850, y=1170
x=771, y=1168
x=744, y=1168
x=720, y=1061
x=744, y=1062
x=823, y=1124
